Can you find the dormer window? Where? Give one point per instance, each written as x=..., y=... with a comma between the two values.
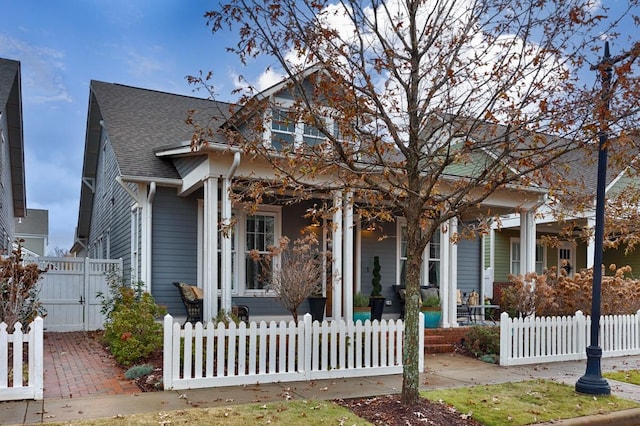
x=283, y=129
x=287, y=132
x=312, y=135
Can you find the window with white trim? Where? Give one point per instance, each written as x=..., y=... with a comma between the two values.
x=432, y=258
x=516, y=257
x=283, y=129
x=261, y=231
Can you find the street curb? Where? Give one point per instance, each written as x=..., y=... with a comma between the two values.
x=629, y=417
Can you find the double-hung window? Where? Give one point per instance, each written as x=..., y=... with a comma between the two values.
x=260, y=233
x=283, y=129
x=312, y=136
x=516, y=258
x=431, y=259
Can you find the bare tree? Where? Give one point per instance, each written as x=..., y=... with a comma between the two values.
x=294, y=273
x=427, y=108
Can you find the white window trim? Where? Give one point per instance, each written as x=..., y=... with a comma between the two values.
x=286, y=105
x=241, y=273
x=424, y=277
x=567, y=245
x=516, y=240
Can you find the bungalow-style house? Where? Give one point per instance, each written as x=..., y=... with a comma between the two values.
x=560, y=244
x=13, y=199
x=151, y=199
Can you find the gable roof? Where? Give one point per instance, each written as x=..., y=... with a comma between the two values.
x=141, y=120
x=11, y=107
x=137, y=122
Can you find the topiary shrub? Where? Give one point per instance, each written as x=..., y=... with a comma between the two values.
x=132, y=330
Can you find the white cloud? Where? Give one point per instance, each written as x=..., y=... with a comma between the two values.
x=42, y=70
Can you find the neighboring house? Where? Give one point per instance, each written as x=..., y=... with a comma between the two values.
x=149, y=198
x=560, y=244
x=33, y=229
x=13, y=199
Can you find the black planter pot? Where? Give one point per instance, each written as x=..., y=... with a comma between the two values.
x=316, y=307
x=377, y=306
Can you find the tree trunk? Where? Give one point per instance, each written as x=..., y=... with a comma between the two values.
x=410, y=355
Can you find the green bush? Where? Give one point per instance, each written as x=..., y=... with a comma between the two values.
x=132, y=331
x=483, y=342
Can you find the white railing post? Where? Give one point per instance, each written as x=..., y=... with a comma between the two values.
x=167, y=352
x=505, y=338
x=36, y=361
x=307, y=337
x=581, y=331
x=420, y=341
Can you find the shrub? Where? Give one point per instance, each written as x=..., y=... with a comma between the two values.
x=360, y=300
x=18, y=290
x=132, y=331
x=557, y=294
x=483, y=342
x=138, y=371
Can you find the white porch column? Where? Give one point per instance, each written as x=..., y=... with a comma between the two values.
x=449, y=269
x=347, y=256
x=591, y=246
x=225, y=267
x=336, y=246
x=527, y=242
x=210, y=257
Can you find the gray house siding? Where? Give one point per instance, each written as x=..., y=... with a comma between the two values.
x=7, y=224
x=110, y=219
x=174, y=252
x=386, y=251
x=469, y=267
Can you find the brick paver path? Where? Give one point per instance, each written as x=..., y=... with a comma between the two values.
x=76, y=365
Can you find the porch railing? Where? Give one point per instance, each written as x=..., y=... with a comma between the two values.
x=13, y=384
x=218, y=355
x=548, y=339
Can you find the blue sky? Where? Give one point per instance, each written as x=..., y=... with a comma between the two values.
x=65, y=44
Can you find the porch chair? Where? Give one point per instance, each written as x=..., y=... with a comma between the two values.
x=463, y=311
x=192, y=303
x=192, y=298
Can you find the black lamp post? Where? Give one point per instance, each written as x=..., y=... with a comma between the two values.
x=592, y=382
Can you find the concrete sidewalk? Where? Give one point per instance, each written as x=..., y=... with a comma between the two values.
x=443, y=371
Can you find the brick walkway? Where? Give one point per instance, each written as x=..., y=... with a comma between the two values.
x=76, y=365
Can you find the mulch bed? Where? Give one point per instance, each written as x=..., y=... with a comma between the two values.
x=387, y=410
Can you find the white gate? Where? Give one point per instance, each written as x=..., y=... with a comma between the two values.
x=69, y=291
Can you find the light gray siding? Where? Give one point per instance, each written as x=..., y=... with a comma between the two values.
x=7, y=224
x=469, y=267
x=174, y=250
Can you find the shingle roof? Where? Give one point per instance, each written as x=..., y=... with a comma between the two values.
x=140, y=120
x=11, y=106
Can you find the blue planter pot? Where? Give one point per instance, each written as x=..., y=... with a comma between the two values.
x=432, y=318
x=361, y=315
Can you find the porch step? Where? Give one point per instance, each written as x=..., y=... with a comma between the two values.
x=442, y=340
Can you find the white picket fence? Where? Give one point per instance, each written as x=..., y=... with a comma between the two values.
x=214, y=355
x=547, y=339
x=12, y=369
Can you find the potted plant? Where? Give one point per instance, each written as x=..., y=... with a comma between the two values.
x=376, y=301
x=431, y=311
x=361, y=310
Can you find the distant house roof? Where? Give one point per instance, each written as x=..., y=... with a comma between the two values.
x=11, y=106
x=139, y=121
